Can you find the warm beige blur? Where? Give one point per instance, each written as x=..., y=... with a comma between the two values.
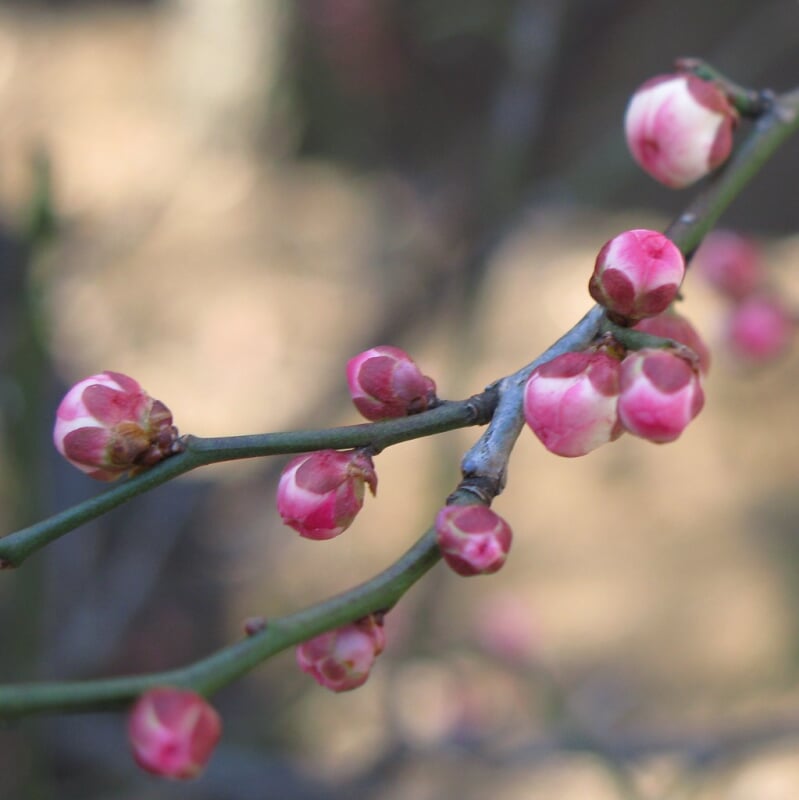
x=232, y=286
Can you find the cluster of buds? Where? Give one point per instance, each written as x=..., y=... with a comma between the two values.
x=385, y=383
x=107, y=426
x=473, y=539
x=758, y=327
x=341, y=659
x=173, y=732
x=579, y=401
x=679, y=128
x=320, y=493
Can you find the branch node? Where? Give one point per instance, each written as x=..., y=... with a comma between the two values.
x=482, y=488
x=784, y=113
x=482, y=406
x=254, y=625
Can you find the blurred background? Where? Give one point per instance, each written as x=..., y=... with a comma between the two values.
x=227, y=200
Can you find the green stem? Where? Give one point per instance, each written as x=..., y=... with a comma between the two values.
x=488, y=458
x=686, y=232
x=770, y=131
x=383, y=591
x=749, y=102
x=638, y=340
x=224, y=666
x=199, y=452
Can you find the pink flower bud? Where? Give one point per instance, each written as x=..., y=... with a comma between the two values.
x=507, y=628
x=671, y=325
x=385, y=383
x=679, y=128
x=473, y=539
x=107, y=425
x=570, y=402
x=730, y=263
x=341, y=659
x=173, y=732
x=660, y=394
x=760, y=329
x=637, y=274
x=321, y=493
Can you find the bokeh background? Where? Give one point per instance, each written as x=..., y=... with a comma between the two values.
x=227, y=200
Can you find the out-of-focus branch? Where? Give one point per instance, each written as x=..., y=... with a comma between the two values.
x=698, y=748
x=750, y=103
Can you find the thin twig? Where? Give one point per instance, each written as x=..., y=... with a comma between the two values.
x=200, y=452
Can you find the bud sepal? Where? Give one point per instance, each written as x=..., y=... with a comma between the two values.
x=108, y=426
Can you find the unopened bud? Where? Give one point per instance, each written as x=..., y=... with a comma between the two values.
x=340, y=659
x=660, y=394
x=507, y=628
x=570, y=402
x=173, y=732
x=473, y=539
x=637, y=274
x=679, y=128
x=760, y=329
x=320, y=494
x=107, y=425
x=671, y=325
x=385, y=383
x=730, y=263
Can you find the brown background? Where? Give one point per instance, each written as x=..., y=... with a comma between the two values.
x=247, y=194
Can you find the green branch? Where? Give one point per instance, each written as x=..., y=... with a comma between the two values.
x=748, y=102
x=199, y=452
x=490, y=455
x=486, y=464
x=770, y=131
x=224, y=666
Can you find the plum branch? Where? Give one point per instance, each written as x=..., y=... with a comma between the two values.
x=484, y=469
x=201, y=451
